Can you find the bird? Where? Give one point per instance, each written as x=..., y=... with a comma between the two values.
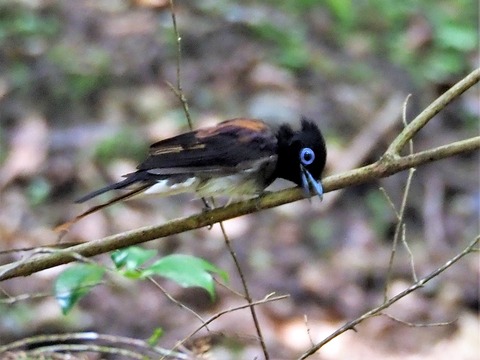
x=236, y=158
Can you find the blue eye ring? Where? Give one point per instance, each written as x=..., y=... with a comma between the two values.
x=307, y=156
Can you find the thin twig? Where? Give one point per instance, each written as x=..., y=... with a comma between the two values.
x=405, y=122
x=400, y=214
x=266, y=299
x=228, y=288
x=397, y=233
x=410, y=254
x=50, y=349
x=390, y=201
x=89, y=336
x=175, y=301
x=178, y=90
x=433, y=109
x=43, y=248
x=410, y=324
x=376, y=311
x=179, y=93
x=247, y=292
x=404, y=238
x=22, y=297
x=305, y=319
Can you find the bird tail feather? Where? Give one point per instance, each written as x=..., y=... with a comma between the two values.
x=131, y=179
x=63, y=228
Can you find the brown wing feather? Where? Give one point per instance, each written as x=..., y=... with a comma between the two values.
x=223, y=146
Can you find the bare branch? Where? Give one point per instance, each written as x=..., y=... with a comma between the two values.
x=377, y=311
x=410, y=324
x=143, y=346
x=398, y=231
x=266, y=299
x=178, y=91
x=383, y=168
x=433, y=109
x=248, y=297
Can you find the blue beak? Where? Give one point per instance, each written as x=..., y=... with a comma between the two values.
x=309, y=183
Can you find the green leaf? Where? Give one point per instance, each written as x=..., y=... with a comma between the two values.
x=131, y=258
x=343, y=10
x=38, y=190
x=122, y=144
x=74, y=283
x=187, y=271
x=155, y=337
x=457, y=36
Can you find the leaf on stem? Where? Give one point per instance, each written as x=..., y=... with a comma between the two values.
x=74, y=283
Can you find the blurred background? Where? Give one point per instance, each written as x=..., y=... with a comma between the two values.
x=84, y=91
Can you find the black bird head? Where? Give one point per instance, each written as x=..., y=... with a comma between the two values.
x=301, y=156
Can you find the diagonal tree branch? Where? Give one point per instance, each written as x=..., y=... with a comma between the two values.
x=383, y=168
x=386, y=304
x=389, y=164
x=433, y=109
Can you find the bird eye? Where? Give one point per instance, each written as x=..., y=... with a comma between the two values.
x=307, y=156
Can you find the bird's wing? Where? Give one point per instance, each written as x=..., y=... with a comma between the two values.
x=228, y=147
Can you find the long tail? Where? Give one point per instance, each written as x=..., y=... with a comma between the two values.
x=131, y=179
x=63, y=228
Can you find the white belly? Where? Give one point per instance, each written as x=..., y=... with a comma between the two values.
x=231, y=186
x=162, y=187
